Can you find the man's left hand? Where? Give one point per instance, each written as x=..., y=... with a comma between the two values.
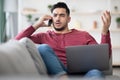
x=106, y=20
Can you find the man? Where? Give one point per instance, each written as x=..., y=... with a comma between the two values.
x=52, y=43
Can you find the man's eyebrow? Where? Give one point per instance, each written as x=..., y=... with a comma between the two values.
x=58, y=14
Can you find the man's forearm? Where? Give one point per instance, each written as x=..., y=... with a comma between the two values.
x=106, y=39
x=25, y=33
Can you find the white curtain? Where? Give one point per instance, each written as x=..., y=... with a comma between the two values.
x=11, y=10
x=11, y=25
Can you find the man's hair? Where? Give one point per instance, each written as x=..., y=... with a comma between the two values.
x=61, y=5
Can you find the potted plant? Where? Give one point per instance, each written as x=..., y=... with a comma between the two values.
x=29, y=17
x=118, y=22
x=50, y=6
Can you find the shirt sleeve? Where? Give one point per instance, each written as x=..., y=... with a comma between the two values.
x=90, y=39
x=25, y=33
x=107, y=39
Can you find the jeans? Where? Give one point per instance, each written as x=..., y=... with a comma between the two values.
x=55, y=66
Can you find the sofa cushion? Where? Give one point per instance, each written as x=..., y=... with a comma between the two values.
x=35, y=55
x=15, y=59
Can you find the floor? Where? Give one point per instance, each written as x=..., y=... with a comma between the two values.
x=116, y=71
x=115, y=76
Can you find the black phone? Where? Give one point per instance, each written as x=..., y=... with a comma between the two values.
x=50, y=22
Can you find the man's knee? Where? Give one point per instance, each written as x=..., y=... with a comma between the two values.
x=45, y=49
x=41, y=46
x=94, y=73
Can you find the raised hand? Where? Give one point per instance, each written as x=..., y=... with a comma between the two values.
x=106, y=20
x=41, y=23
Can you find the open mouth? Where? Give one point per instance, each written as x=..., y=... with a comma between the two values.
x=57, y=23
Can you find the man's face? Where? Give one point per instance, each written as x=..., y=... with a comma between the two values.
x=60, y=19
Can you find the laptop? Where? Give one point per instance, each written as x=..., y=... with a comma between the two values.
x=81, y=59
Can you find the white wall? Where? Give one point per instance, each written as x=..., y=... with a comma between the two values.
x=78, y=6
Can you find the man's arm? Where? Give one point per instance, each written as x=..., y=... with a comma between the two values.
x=106, y=39
x=30, y=30
x=25, y=33
x=106, y=20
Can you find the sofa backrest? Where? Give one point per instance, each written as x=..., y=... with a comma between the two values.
x=15, y=59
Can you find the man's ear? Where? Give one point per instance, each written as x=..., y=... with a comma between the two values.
x=69, y=19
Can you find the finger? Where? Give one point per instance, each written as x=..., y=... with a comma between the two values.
x=103, y=21
x=45, y=25
x=104, y=18
x=107, y=16
x=48, y=17
x=108, y=12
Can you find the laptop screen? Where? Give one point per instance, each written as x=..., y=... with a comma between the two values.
x=86, y=57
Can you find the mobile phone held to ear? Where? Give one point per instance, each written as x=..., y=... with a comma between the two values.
x=50, y=22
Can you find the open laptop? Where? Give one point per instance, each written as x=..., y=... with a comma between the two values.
x=81, y=59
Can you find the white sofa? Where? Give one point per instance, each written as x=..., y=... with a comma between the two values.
x=22, y=58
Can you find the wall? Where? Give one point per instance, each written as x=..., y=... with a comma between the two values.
x=84, y=6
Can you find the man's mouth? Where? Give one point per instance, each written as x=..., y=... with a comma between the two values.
x=57, y=23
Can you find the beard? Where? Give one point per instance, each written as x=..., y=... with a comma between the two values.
x=59, y=29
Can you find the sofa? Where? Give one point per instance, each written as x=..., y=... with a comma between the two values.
x=22, y=59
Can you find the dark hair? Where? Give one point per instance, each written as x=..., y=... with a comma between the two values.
x=61, y=5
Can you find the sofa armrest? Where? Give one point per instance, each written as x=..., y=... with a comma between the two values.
x=16, y=60
x=32, y=49
x=110, y=70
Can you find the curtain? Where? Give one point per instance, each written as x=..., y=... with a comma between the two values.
x=11, y=10
x=2, y=22
x=11, y=25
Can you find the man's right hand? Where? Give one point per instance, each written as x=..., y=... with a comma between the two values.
x=41, y=23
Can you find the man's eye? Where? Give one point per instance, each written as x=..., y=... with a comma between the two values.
x=54, y=15
x=62, y=15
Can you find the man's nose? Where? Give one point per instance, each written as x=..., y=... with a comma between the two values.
x=58, y=18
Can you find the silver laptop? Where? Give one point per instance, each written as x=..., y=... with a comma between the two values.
x=83, y=58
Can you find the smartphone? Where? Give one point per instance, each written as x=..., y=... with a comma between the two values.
x=50, y=22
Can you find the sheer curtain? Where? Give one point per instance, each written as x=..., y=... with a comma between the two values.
x=10, y=8
x=2, y=22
